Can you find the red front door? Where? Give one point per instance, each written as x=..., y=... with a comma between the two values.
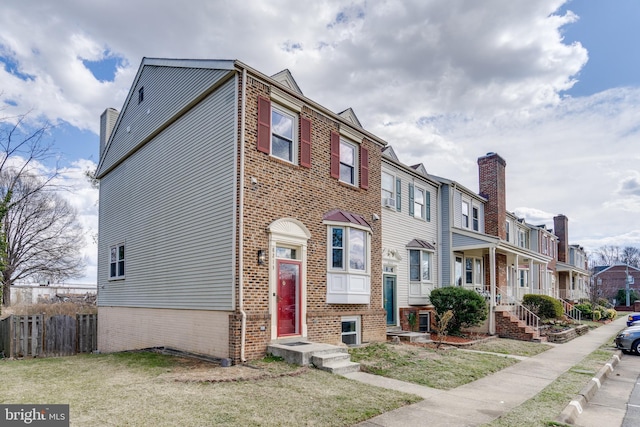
x=288, y=297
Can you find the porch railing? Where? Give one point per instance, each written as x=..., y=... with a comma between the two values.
x=571, y=311
x=523, y=313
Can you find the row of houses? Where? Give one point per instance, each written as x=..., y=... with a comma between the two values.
x=235, y=212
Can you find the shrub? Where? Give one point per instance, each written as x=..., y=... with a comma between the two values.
x=545, y=306
x=611, y=313
x=621, y=296
x=585, y=309
x=468, y=306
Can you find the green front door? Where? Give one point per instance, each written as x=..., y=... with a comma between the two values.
x=390, y=299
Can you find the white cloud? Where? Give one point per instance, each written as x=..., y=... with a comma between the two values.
x=443, y=82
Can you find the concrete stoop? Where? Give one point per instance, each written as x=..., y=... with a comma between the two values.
x=336, y=363
x=327, y=357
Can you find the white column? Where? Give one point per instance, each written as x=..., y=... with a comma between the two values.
x=492, y=282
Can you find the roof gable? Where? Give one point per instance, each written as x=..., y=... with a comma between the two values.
x=179, y=82
x=390, y=153
x=420, y=169
x=286, y=79
x=350, y=116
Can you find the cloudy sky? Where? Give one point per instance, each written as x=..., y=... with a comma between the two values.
x=553, y=86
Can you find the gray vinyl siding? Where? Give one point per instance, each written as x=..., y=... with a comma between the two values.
x=445, y=239
x=399, y=229
x=167, y=91
x=172, y=204
x=460, y=240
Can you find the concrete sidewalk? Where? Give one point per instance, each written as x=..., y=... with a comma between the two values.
x=486, y=399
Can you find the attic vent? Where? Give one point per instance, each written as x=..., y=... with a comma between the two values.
x=141, y=95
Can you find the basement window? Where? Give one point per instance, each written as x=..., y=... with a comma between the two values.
x=351, y=330
x=424, y=321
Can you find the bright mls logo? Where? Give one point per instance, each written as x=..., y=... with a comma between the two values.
x=34, y=415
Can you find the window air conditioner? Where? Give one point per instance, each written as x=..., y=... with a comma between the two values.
x=389, y=202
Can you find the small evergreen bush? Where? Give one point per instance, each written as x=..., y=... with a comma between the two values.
x=546, y=307
x=468, y=306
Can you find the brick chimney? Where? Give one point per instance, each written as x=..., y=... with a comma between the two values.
x=561, y=230
x=491, y=170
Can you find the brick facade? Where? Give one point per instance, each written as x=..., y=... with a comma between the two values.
x=609, y=281
x=275, y=189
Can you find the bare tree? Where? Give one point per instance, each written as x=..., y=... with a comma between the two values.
x=611, y=255
x=607, y=255
x=631, y=256
x=23, y=148
x=42, y=234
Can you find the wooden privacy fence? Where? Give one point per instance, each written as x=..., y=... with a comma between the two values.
x=37, y=336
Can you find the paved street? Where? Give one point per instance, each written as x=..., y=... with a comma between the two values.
x=617, y=402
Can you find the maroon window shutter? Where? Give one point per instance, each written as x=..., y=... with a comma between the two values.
x=364, y=168
x=264, y=124
x=305, y=142
x=335, y=155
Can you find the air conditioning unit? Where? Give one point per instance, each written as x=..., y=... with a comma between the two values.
x=389, y=202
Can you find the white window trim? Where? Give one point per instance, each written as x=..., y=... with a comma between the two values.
x=348, y=286
x=462, y=214
x=476, y=281
x=423, y=211
x=358, y=330
x=117, y=262
x=422, y=252
x=294, y=142
x=367, y=247
x=391, y=205
x=477, y=208
x=356, y=162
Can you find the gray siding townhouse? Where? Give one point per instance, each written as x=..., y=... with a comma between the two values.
x=409, y=241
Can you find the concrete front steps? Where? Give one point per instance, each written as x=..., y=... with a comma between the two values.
x=327, y=357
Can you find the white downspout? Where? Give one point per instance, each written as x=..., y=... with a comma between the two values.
x=243, y=323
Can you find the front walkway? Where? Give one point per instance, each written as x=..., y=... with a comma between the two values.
x=486, y=399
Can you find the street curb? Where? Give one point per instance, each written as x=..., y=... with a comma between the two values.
x=576, y=406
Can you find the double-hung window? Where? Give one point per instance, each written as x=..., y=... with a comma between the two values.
x=473, y=271
x=116, y=262
x=419, y=203
x=388, y=190
x=475, y=214
x=348, y=162
x=522, y=239
x=283, y=135
x=465, y=214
